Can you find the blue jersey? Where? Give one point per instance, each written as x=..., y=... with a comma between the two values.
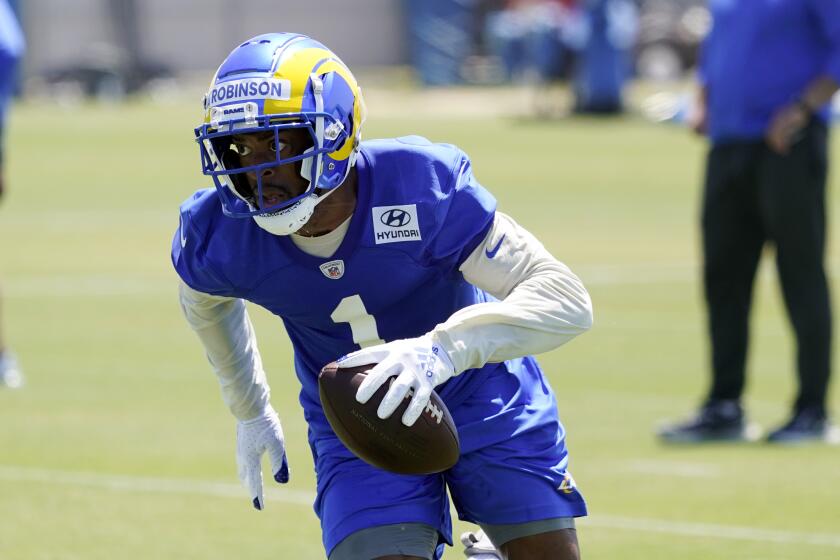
x=419, y=214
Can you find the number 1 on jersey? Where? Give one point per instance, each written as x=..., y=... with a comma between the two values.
x=362, y=324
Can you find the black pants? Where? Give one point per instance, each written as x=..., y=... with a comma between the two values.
x=752, y=196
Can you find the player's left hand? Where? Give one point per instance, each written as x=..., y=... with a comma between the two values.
x=419, y=364
x=786, y=127
x=253, y=438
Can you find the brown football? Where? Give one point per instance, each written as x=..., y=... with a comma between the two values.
x=429, y=446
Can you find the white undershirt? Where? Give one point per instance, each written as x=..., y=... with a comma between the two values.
x=324, y=245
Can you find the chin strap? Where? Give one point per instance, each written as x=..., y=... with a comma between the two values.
x=292, y=219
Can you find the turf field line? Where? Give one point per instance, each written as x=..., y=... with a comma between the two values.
x=124, y=483
x=90, y=285
x=640, y=273
x=674, y=468
x=85, y=221
x=675, y=272
x=711, y=531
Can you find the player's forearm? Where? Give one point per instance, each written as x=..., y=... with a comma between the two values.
x=229, y=340
x=544, y=304
x=543, y=312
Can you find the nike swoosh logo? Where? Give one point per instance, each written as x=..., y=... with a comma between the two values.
x=183, y=235
x=492, y=252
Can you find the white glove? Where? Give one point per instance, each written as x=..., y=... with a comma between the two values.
x=253, y=438
x=420, y=365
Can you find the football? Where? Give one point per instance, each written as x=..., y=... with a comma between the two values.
x=429, y=446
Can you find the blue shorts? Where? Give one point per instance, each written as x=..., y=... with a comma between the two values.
x=512, y=467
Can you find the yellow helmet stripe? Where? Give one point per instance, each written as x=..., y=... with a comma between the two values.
x=296, y=66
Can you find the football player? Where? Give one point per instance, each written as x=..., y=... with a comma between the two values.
x=11, y=50
x=387, y=252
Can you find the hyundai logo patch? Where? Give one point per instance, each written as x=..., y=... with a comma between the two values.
x=392, y=224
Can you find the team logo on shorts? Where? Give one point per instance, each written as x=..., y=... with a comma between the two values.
x=333, y=269
x=568, y=485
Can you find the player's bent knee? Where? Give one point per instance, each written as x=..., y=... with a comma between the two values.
x=554, y=545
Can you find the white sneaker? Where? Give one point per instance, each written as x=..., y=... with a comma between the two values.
x=477, y=546
x=10, y=374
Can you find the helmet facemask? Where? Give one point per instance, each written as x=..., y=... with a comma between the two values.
x=233, y=174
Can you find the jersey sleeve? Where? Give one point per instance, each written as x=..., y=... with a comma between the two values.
x=464, y=213
x=190, y=252
x=543, y=304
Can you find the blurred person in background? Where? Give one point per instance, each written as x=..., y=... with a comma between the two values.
x=605, y=40
x=11, y=50
x=533, y=40
x=768, y=71
x=528, y=37
x=356, y=243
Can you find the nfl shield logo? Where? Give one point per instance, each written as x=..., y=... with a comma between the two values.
x=333, y=269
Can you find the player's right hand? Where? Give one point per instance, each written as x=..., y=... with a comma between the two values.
x=253, y=438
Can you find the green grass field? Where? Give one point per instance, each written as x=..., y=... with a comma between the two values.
x=120, y=447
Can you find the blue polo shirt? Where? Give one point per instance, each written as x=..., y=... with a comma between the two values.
x=761, y=55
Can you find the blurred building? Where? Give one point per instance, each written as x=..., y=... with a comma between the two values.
x=185, y=36
x=106, y=48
